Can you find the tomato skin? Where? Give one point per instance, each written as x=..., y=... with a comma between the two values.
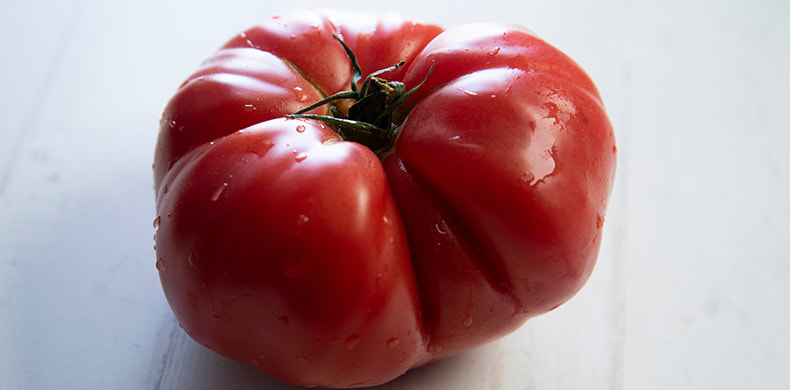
x=521, y=224
x=320, y=263
x=269, y=271
x=246, y=86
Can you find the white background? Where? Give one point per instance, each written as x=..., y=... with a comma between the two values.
x=691, y=288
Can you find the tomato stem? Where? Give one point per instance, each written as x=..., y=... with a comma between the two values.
x=368, y=120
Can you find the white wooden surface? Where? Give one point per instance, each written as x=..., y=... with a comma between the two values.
x=691, y=289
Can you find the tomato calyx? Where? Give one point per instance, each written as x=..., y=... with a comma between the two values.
x=369, y=119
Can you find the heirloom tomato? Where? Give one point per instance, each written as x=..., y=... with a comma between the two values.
x=341, y=196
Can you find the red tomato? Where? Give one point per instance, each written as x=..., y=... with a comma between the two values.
x=324, y=255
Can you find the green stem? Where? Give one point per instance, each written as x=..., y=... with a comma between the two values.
x=368, y=120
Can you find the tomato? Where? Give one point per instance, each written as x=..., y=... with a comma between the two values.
x=334, y=225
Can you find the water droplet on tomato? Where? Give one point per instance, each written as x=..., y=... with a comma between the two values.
x=218, y=192
x=470, y=93
x=160, y=264
x=257, y=361
x=468, y=321
x=191, y=259
x=352, y=341
x=494, y=51
x=243, y=36
x=599, y=222
x=157, y=222
x=261, y=148
x=300, y=128
x=439, y=229
x=300, y=157
x=164, y=189
x=433, y=348
x=393, y=342
x=249, y=108
x=302, y=219
x=299, y=94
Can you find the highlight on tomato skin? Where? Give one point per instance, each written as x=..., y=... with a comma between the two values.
x=343, y=196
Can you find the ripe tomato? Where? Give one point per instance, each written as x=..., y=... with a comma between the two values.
x=398, y=217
